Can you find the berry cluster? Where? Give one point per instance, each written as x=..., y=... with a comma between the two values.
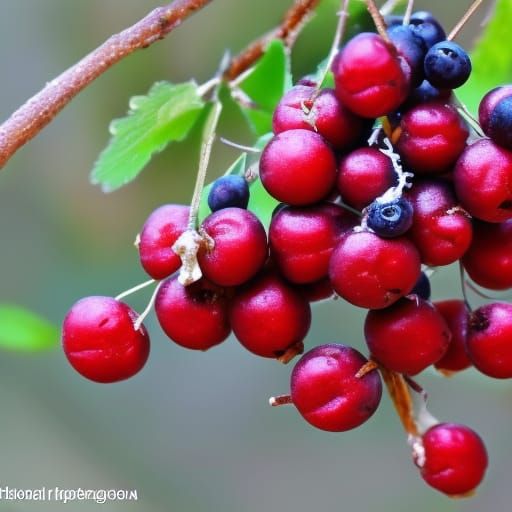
x=381, y=178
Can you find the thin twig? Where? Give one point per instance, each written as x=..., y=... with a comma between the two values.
x=378, y=20
x=389, y=6
x=455, y=30
x=408, y=12
x=294, y=19
x=38, y=111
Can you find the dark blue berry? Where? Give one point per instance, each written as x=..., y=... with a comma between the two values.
x=389, y=219
x=228, y=191
x=427, y=92
x=422, y=287
x=424, y=25
x=500, y=123
x=393, y=20
x=412, y=48
x=447, y=65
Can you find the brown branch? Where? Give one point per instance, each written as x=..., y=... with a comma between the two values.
x=38, y=111
x=294, y=19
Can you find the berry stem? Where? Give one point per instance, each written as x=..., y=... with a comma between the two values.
x=241, y=147
x=408, y=12
x=378, y=20
x=401, y=396
x=460, y=24
x=134, y=289
x=343, y=15
x=366, y=368
x=389, y=6
x=275, y=401
x=149, y=307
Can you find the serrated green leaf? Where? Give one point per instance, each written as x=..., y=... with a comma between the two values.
x=491, y=58
x=265, y=85
x=24, y=331
x=166, y=114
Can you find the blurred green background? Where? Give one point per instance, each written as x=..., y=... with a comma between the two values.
x=192, y=432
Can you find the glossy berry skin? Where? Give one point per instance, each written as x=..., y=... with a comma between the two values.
x=456, y=315
x=195, y=316
x=483, y=181
x=495, y=115
x=228, y=191
x=269, y=316
x=326, y=391
x=371, y=78
x=364, y=174
x=328, y=117
x=100, y=341
x=422, y=287
x=425, y=93
x=447, y=65
x=432, y=137
x=412, y=48
x=424, y=25
x=441, y=231
x=390, y=219
x=239, y=247
x=373, y=272
x=162, y=228
x=489, y=342
x=455, y=459
x=408, y=336
x=317, y=291
x=302, y=239
x=488, y=260
x=298, y=167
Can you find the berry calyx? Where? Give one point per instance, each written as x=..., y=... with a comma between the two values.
x=298, y=167
x=373, y=272
x=269, y=316
x=408, y=336
x=302, y=239
x=228, y=191
x=162, y=228
x=193, y=316
x=489, y=342
x=327, y=392
x=455, y=459
x=390, y=218
x=324, y=113
x=371, y=78
x=100, y=341
x=239, y=247
x=447, y=65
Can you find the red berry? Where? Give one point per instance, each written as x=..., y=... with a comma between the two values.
x=269, y=316
x=336, y=124
x=489, y=342
x=239, y=250
x=364, y=175
x=432, y=137
x=483, y=181
x=162, y=228
x=100, y=340
x=302, y=239
x=326, y=391
x=488, y=260
x=195, y=316
x=298, y=167
x=371, y=78
x=317, y=291
x=455, y=459
x=456, y=315
x=495, y=115
x=408, y=336
x=372, y=272
x=440, y=230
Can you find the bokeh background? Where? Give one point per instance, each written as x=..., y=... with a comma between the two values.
x=193, y=432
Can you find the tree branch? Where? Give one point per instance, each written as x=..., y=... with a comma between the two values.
x=294, y=19
x=40, y=110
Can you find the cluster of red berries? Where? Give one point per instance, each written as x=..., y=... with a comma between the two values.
x=351, y=224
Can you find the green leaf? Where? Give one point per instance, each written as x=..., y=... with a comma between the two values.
x=491, y=58
x=166, y=114
x=25, y=331
x=265, y=85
